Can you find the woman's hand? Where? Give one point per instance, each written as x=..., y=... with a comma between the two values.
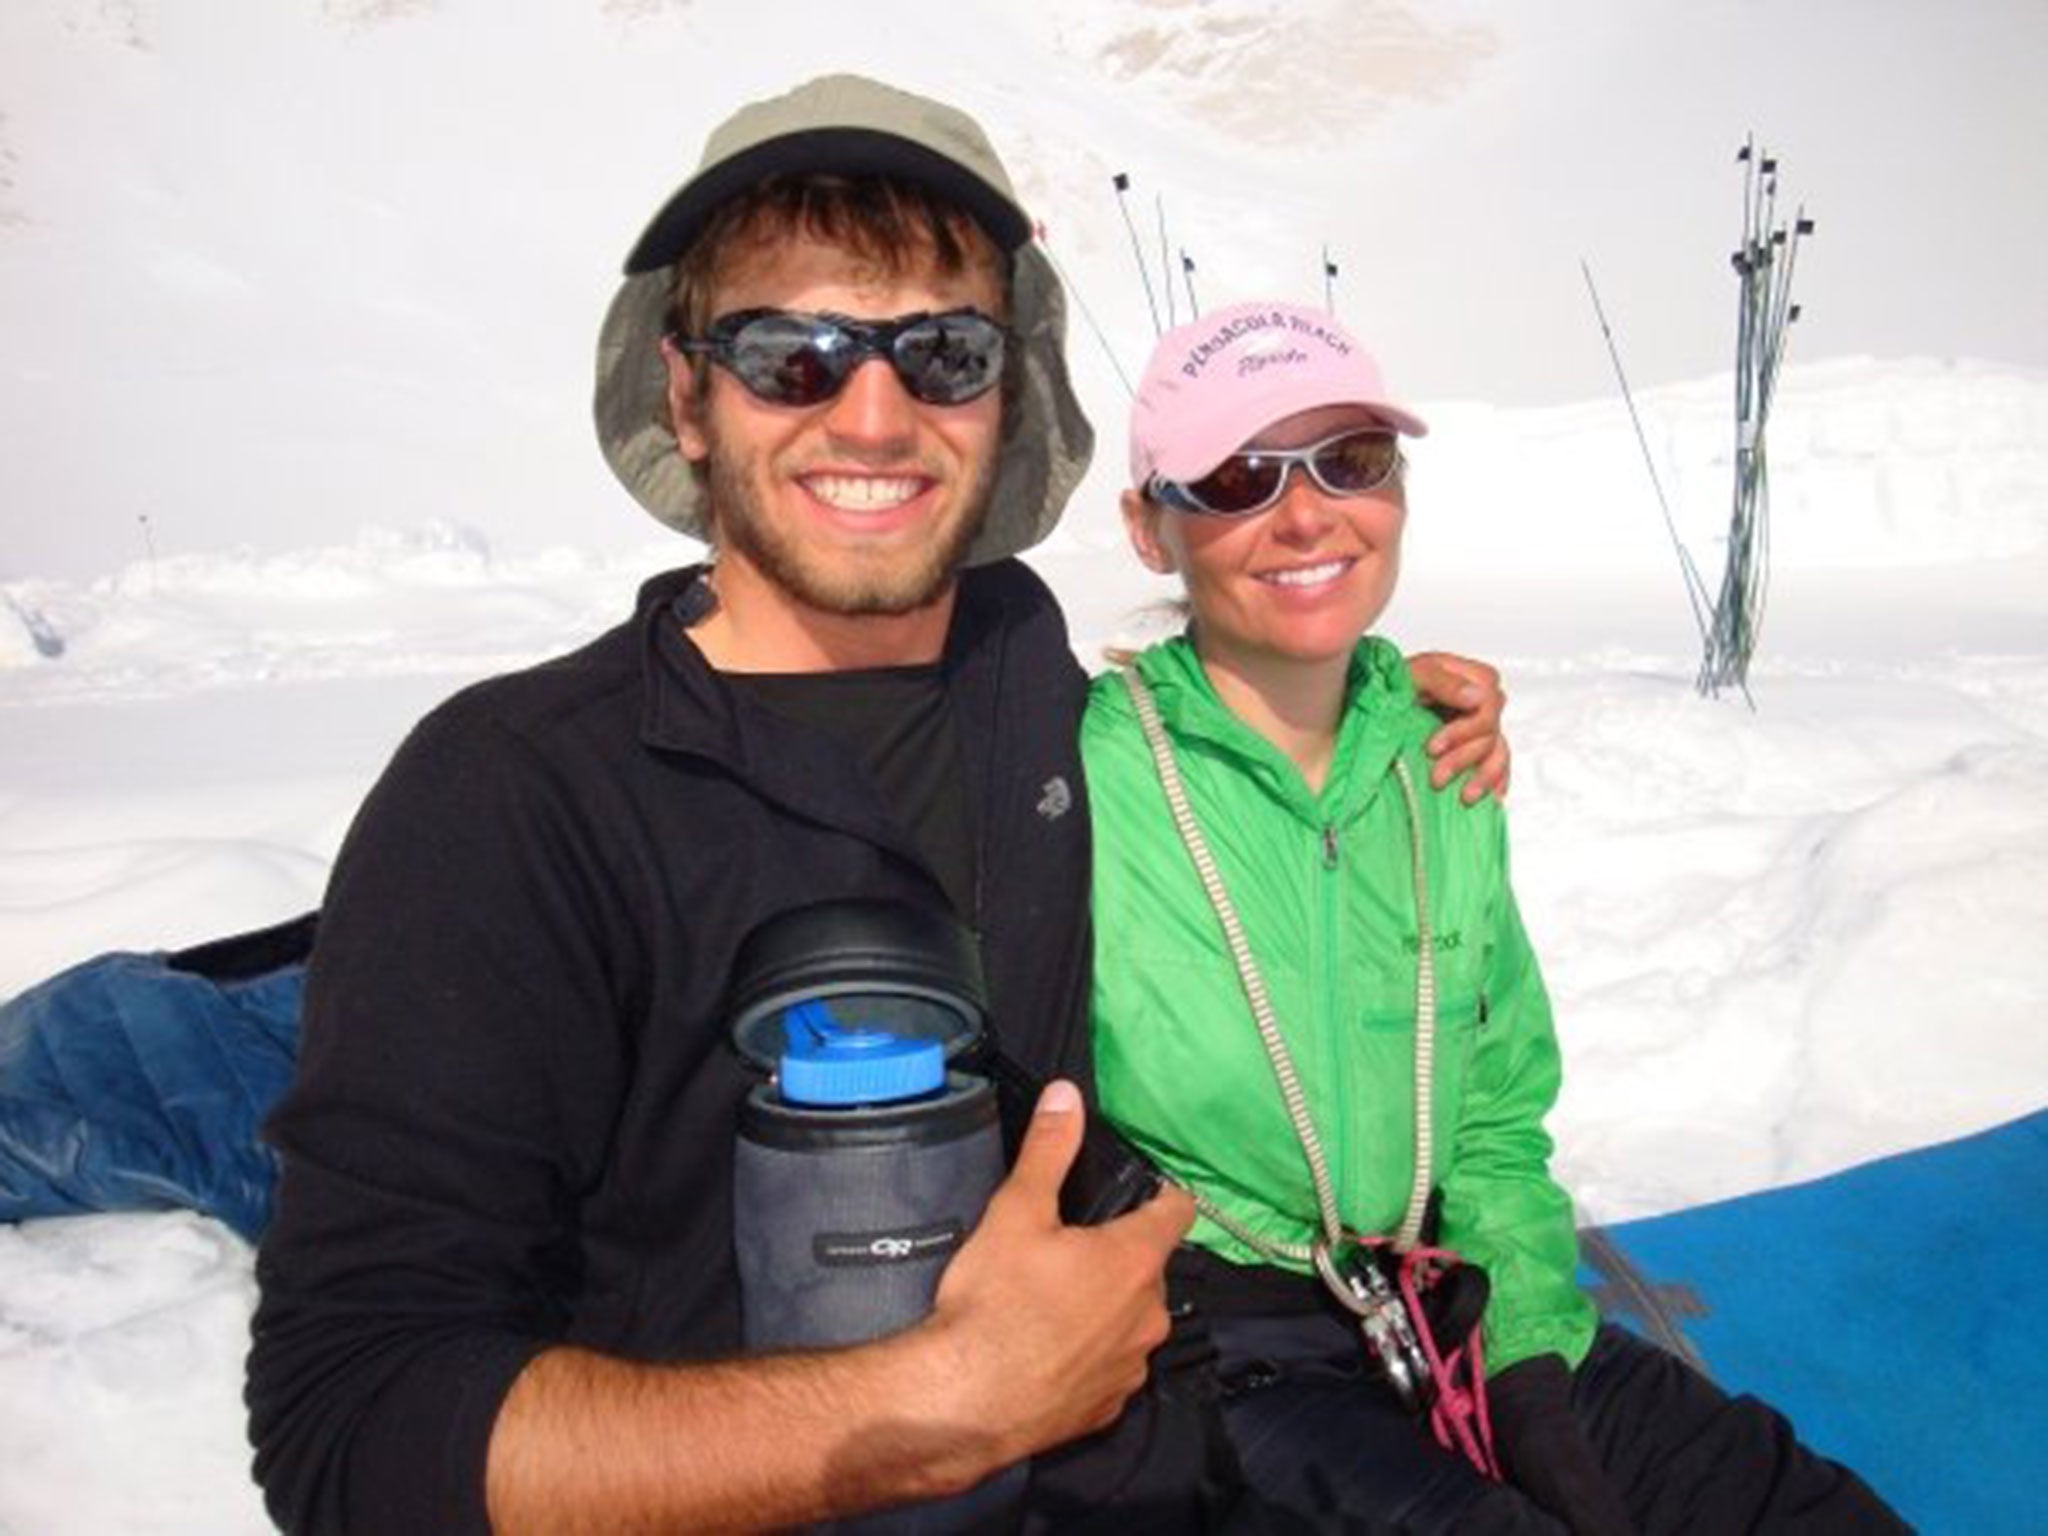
x=1469, y=697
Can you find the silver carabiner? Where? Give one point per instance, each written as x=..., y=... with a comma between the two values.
x=1382, y=1316
x=1349, y=1289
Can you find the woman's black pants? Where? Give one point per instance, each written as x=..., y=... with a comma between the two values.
x=1325, y=1448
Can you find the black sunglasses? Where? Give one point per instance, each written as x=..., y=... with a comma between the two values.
x=1355, y=462
x=787, y=357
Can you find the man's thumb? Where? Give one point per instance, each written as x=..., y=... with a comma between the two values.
x=1050, y=1142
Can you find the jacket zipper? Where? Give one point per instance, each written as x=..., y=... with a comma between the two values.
x=1335, y=1056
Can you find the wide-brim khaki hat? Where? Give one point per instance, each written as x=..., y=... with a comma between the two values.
x=847, y=125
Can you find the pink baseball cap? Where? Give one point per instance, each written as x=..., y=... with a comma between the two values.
x=1217, y=382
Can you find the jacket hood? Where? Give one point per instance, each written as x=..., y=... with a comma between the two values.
x=1381, y=719
x=1377, y=683
x=846, y=124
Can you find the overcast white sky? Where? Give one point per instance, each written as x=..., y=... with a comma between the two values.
x=270, y=268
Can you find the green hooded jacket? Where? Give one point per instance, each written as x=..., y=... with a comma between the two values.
x=1324, y=886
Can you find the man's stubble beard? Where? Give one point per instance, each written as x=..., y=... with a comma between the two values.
x=837, y=585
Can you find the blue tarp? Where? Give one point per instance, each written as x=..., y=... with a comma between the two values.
x=137, y=1081
x=1894, y=1312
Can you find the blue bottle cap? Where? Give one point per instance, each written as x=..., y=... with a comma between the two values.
x=830, y=1065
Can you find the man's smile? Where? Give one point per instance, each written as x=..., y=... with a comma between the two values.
x=864, y=493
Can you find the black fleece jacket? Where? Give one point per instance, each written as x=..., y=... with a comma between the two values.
x=514, y=1114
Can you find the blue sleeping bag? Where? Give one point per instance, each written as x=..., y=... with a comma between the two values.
x=137, y=1082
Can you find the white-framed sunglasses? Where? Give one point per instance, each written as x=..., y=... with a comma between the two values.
x=1354, y=462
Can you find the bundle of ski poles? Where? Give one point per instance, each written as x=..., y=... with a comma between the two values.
x=1763, y=267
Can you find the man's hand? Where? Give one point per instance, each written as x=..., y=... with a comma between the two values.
x=1039, y=1334
x=1469, y=697
x=1049, y=1327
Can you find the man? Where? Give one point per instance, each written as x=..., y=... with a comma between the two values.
x=499, y=1290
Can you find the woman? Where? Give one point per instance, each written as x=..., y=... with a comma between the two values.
x=1311, y=982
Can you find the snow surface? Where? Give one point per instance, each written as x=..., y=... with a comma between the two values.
x=1780, y=940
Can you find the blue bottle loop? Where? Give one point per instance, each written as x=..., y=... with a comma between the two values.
x=831, y=1065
